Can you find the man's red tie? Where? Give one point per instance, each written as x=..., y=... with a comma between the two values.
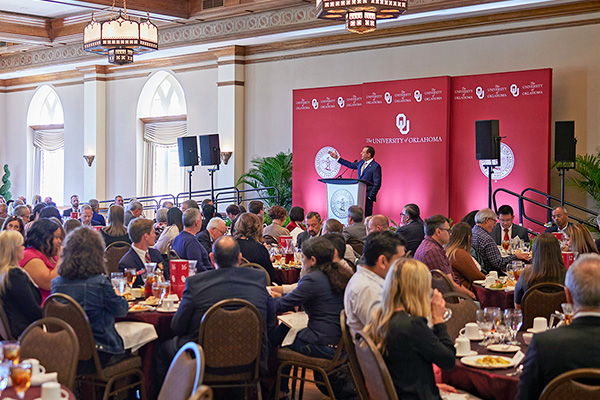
x=148, y=259
x=506, y=238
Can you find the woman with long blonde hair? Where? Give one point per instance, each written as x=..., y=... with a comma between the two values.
x=20, y=297
x=579, y=239
x=399, y=329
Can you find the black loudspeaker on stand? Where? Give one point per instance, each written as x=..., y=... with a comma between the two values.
x=188, y=156
x=210, y=154
x=564, y=151
x=487, y=147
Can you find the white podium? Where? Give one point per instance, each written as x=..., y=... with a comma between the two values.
x=343, y=193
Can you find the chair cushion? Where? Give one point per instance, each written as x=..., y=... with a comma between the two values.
x=128, y=364
x=295, y=357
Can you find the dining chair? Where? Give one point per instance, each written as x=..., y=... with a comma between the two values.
x=377, y=376
x=54, y=343
x=113, y=254
x=582, y=383
x=113, y=379
x=185, y=373
x=231, y=336
x=541, y=300
x=270, y=239
x=259, y=267
x=5, y=331
x=357, y=376
x=203, y=393
x=463, y=310
x=356, y=244
x=351, y=264
x=173, y=255
x=441, y=282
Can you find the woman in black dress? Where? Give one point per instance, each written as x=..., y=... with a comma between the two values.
x=248, y=233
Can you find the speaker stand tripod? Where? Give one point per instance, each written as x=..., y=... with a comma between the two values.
x=212, y=171
x=190, y=171
x=490, y=168
x=562, y=172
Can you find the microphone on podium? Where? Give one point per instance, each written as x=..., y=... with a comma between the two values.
x=340, y=175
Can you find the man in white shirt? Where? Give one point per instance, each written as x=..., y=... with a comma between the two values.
x=365, y=288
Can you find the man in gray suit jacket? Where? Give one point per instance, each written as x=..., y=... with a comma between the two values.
x=506, y=228
x=356, y=227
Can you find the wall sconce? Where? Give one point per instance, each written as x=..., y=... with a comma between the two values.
x=89, y=160
x=225, y=156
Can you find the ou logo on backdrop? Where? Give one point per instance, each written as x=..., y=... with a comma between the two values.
x=514, y=89
x=403, y=124
x=315, y=103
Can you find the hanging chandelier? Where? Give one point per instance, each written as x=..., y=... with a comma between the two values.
x=360, y=15
x=120, y=38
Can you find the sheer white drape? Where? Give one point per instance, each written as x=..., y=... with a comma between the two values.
x=49, y=147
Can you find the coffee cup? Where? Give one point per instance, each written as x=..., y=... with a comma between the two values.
x=489, y=280
x=493, y=274
x=463, y=346
x=36, y=368
x=540, y=324
x=168, y=304
x=527, y=338
x=470, y=331
x=53, y=391
x=136, y=293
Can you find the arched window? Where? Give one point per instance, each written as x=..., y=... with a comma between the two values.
x=45, y=118
x=164, y=116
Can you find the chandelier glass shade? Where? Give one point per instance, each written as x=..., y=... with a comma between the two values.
x=360, y=15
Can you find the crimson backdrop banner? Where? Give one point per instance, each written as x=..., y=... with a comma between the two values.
x=521, y=101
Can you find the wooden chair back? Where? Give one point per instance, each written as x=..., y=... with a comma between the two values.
x=441, y=282
x=377, y=376
x=259, y=267
x=541, y=300
x=463, y=311
x=583, y=383
x=357, y=376
x=5, y=331
x=185, y=373
x=113, y=254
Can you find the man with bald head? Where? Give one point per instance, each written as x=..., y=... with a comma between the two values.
x=560, y=217
x=563, y=349
x=378, y=223
x=215, y=229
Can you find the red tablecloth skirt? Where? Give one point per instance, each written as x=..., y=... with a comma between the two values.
x=33, y=393
x=494, y=298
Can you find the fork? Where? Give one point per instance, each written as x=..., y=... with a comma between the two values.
x=517, y=372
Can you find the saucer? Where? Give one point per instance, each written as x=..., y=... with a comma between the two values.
x=480, y=337
x=471, y=353
x=503, y=348
x=479, y=281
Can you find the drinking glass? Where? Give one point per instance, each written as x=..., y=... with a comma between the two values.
x=447, y=313
x=506, y=245
x=11, y=350
x=160, y=290
x=493, y=315
x=20, y=374
x=4, y=374
x=130, y=275
x=568, y=311
x=514, y=321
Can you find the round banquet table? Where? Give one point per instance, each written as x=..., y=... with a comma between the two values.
x=494, y=298
x=288, y=275
x=485, y=383
x=33, y=393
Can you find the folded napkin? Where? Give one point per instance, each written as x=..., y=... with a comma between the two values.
x=173, y=297
x=37, y=380
x=518, y=357
x=135, y=334
x=296, y=321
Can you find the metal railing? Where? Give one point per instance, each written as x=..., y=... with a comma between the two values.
x=549, y=206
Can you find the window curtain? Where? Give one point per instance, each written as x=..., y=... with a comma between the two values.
x=158, y=134
x=45, y=140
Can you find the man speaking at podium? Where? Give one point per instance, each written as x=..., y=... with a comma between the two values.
x=368, y=170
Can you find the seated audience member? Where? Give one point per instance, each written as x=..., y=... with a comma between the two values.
x=14, y=223
x=365, y=288
x=23, y=212
x=248, y=233
x=399, y=329
x=96, y=216
x=161, y=221
x=3, y=213
x=470, y=218
x=215, y=229
x=560, y=217
x=547, y=265
x=189, y=204
x=50, y=212
x=20, y=297
x=335, y=226
x=74, y=207
x=35, y=215
x=278, y=216
x=208, y=213
x=579, y=239
x=204, y=290
x=82, y=276
x=134, y=210
x=86, y=216
x=412, y=229
x=37, y=199
x=339, y=245
x=174, y=227
x=167, y=204
x=356, y=228
x=378, y=223
x=115, y=231
x=569, y=347
x=466, y=269
x=187, y=246
x=431, y=250
x=12, y=204
x=256, y=207
x=70, y=225
x=506, y=230
x=484, y=245
x=232, y=211
x=48, y=200
x=321, y=293
x=141, y=233
x=119, y=200
x=296, y=218
x=313, y=228
x=42, y=247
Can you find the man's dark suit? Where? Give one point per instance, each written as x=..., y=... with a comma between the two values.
x=371, y=174
x=560, y=350
x=302, y=237
x=357, y=230
x=413, y=234
x=554, y=228
x=205, y=240
x=132, y=260
x=207, y=288
x=67, y=212
x=517, y=230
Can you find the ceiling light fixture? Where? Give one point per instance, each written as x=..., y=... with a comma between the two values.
x=360, y=15
x=120, y=38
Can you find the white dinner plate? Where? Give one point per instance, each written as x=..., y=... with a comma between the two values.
x=138, y=311
x=471, y=361
x=471, y=353
x=503, y=348
x=479, y=281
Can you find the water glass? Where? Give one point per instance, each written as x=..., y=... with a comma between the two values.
x=447, y=313
x=20, y=374
x=568, y=312
x=11, y=351
x=514, y=321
